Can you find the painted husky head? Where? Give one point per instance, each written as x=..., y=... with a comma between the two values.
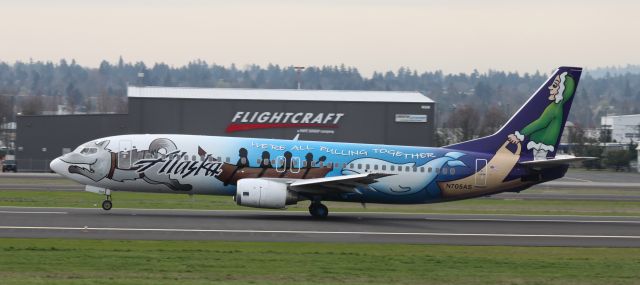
x=404, y=182
x=92, y=160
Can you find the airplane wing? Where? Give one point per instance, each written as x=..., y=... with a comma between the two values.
x=555, y=161
x=336, y=184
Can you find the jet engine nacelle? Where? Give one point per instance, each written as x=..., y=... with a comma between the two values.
x=263, y=193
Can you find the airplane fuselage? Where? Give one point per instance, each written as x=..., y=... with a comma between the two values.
x=209, y=165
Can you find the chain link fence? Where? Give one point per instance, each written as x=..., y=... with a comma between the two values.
x=33, y=165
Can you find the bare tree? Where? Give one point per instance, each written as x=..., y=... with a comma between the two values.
x=104, y=104
x=32, y=105
x=492, y=120
x=466, y=118
x=5, y=107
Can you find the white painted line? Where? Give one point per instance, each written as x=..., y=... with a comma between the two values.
x=577, y=179
x=537, y=220
x=315, y=232
x=23, y=212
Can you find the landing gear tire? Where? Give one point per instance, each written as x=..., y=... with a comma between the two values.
x=318, y=210
x=107, y=205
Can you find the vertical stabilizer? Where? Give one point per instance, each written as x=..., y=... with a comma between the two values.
x=537, y=126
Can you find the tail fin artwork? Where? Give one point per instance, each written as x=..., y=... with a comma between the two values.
x=539, y=123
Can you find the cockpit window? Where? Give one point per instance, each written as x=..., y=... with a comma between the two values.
x=89, y=150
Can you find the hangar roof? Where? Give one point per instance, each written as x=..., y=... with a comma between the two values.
x=277, y=94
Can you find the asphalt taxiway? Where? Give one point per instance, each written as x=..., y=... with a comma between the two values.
x=288, y=226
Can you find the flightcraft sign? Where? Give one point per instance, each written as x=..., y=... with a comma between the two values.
x=244, y=121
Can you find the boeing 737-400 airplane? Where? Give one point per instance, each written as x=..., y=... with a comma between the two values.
x=268, y=173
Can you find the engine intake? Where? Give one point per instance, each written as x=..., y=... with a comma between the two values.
x=263, y=193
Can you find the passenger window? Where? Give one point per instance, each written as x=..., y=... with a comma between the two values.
x=429, y=169
x=392, y=167
x=193, y=157
x=227, y=159
x=384, y=167
x=359, y=166
x=219, y=159
x=375, y=167
x=351, y=166
x=407, y=169
x=437, y=170
x=422, y=169
x=452, y=171
x=366, y=166
x=258, y=161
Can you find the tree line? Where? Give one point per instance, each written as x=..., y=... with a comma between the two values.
x=476, y=102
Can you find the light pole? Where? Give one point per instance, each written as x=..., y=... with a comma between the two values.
x=298, y=71
x=141, y=79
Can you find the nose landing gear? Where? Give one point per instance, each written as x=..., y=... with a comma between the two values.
x=106, y=204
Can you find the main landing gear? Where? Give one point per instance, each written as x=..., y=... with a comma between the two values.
x=106, y=204
x=318, y=210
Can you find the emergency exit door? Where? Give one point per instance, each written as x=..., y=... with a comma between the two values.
x=481, y=172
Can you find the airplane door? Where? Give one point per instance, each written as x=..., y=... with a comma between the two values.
x=124, y=154
x=295, y=164
x=481, y=172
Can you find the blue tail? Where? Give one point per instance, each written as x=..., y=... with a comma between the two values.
x=539, y=123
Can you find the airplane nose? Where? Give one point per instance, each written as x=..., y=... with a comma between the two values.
x=57, y=165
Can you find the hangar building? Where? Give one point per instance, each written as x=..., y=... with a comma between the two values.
x=377, y=117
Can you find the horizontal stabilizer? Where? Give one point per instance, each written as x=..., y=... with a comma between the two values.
x=558, y=160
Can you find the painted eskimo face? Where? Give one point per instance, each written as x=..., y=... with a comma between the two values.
x=554, y=88
x=92, y=160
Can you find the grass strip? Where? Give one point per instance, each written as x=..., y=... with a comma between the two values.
x=61, y=261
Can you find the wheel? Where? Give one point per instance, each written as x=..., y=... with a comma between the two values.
x=106, y=205
x=318, y=210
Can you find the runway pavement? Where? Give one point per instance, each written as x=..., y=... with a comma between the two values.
x=286, y=226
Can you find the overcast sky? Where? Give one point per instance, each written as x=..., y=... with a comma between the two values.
x=454, y=36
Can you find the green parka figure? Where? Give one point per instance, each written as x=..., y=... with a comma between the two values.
x=544, y=132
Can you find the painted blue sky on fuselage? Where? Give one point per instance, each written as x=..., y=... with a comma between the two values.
x=348, y=153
